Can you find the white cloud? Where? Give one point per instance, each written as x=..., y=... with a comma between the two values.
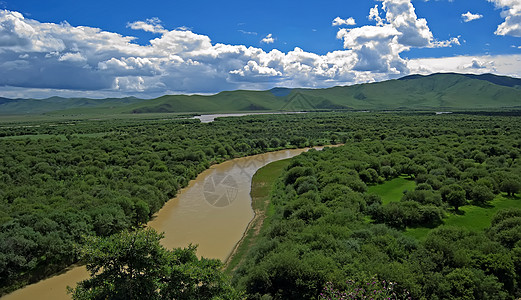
x=447, y=43
x=401, y=15
x=512, y=14
x=378, y=47
x=339, y=22
x=468, y=16
x=46, y=58
x=247, y=32
x=151, y=25
x=509, y=65
x=72, y=57
x=268, y=39
x=374, y=14
x=477, y=64
x=255, y=70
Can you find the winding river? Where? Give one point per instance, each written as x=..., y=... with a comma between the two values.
x=213, y=211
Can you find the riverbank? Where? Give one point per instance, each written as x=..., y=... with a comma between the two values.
x=192, y=217
x=261, y=187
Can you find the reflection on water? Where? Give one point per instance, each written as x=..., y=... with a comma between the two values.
x=215, y=209
x=211, y=118
x=212, y=212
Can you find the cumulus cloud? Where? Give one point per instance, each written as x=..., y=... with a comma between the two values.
x=378, y=47
x=151, y=25
x=374, y=15
x=253, y=69
x=502, y=64
x=268, y=39
x=401, y=15
x=468, y=16
x=476, y=64
x=447, y=43
x=339, y=22
x=512, y=14
x=60, y=58
x=72, y=57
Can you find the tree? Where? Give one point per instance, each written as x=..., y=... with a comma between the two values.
x=506, y=227
x=369, y=175
x=388, y=172
x=456, y=197
x=142, y=212
x=134, y=265
x=511, y=185
x=481, y=194
x=334, y=138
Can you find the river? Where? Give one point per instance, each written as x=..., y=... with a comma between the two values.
x=213, y=212
x=211, y=118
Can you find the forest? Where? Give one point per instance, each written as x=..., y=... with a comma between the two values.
x=61, y=181
x=68, y=185
x=329, y=236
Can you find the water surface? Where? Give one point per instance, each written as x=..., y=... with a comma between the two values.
x=211, y=118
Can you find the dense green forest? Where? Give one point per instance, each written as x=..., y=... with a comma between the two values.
x=330, y=235
x=60, y=181
x=327, y=231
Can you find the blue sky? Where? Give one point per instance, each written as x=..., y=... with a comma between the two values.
x=147, y=49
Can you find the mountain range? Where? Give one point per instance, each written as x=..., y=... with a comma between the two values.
x=441, y=91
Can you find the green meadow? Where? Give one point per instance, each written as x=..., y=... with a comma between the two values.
x=471, y=217
x=392, y=190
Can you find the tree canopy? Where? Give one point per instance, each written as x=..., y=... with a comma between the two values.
x=134, y=265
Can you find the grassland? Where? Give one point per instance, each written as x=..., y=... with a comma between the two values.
x=392, y=190
x=471, y=217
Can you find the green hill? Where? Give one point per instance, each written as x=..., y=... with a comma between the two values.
x=39, y=106
x=447, y=91
x=416, y=92
x=438, y=91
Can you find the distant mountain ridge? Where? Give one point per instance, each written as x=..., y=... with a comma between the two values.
x=441, y=91
x=40, y=106
x=495, y=79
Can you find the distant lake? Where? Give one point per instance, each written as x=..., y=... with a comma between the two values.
x=211, y=118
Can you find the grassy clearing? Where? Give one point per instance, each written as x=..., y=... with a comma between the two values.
x=473, y=218
x=392, y=190
x=261, y=187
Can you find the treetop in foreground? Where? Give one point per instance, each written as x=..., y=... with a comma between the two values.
x=134, y=265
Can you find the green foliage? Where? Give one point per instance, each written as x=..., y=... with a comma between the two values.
x=511, y=185
x=445, y=162
x=481, y=194
x=372, y=289
x=506, y=227
x=456, y=196
x=392, y=190
x=61, y=180
x=134, y=265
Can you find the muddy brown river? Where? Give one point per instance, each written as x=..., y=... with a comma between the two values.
x=213, y=212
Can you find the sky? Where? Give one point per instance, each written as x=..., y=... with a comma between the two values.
x=116, y=48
